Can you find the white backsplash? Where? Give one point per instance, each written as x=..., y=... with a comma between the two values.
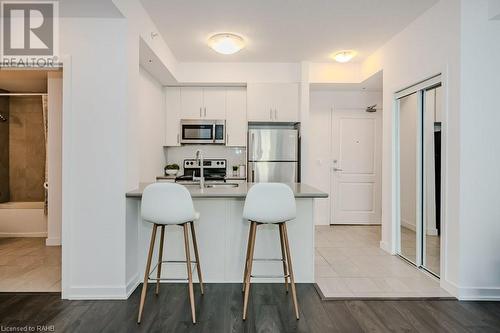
x=233, y=155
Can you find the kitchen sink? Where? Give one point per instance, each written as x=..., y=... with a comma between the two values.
x=222, y=185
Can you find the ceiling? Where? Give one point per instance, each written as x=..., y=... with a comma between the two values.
x=282, y=30
x=23, y=81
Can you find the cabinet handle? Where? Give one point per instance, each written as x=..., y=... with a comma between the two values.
x=275, y=114
x=178, y=140
x=205, y=109
x=271, y=114
x=200, y=111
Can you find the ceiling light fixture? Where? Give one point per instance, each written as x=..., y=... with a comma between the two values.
x=226, y=43
x=344, y=56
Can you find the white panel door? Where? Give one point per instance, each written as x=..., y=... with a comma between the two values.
x=356, y=171
x=214, y=103
x=192, y=102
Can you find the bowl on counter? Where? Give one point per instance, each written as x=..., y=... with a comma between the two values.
x=171, y=172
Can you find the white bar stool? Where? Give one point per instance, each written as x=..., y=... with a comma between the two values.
x=269, y=203
x=169, y=204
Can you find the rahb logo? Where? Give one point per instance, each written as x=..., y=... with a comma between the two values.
x=29, y=33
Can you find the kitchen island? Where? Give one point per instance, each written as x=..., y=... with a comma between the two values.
x=222, y=235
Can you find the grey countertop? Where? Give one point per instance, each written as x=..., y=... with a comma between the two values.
x=300, y=190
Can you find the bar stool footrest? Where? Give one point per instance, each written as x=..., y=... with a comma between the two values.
x=270, y=276
x=193, y=267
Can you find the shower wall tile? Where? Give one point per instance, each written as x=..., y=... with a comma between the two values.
x=26, y=149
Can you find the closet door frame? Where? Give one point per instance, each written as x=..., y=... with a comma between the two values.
x=420, y=89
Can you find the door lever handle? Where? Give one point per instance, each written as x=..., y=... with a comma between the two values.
x=337, y=169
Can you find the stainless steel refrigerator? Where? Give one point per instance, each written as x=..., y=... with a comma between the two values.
x=273, y=155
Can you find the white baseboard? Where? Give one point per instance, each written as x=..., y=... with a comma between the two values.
x=450, y=287
x=23, y=234
x=385, y=246
x=479, y=294
x=408, y=225
x=132, y=285
x=96, y=293
x=53, y=241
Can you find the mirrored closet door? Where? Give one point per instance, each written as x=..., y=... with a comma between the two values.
x=419, y=174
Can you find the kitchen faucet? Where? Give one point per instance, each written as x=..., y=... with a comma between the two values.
x=199, y=159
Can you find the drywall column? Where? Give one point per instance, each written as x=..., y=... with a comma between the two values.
x=479, y=154
x=304, y=120
x=54, y=156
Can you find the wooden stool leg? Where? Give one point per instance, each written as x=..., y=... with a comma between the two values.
x=253, y=229
x=246, y=258
x=283, y=256
x=289, y=261
x=160, y=259
x=190, y=274
x=146, y=273
x=197, y=257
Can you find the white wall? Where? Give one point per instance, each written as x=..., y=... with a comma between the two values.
x=428, y=46
x=480, y=154
x=54, y=156
x=94, y=157
x=322, y=102
x=151, y=122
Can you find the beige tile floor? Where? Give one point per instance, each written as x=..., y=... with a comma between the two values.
x=27, y=265
x=350, y=263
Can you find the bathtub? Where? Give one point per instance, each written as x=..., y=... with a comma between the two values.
x=22, y=219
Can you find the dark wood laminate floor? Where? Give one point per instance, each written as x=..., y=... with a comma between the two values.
x=270, y=310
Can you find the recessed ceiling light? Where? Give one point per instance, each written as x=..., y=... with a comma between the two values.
x=344, y=56
x=226, y=43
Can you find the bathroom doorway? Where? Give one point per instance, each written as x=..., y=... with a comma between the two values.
x=30, y=180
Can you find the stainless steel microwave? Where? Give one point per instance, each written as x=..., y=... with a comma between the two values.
x=203, y=131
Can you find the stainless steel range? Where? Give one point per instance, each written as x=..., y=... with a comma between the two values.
x=214, y=170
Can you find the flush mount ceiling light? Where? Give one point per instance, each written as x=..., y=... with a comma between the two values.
x=226, y=43
x=344, y=56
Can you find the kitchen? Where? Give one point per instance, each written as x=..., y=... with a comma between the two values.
x=324, y=103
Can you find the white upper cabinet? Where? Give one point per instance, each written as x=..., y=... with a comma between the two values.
x=273, y=102
x=214, y=103
x=236, y=117
x=191, y=102
x=173, y=116
x=203, y=103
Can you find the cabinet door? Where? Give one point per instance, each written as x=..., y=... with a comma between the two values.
x=191, y=102
x=236, y=117
x=214, y=103
x=172, y=116
x=260, y=101
x=287, y=102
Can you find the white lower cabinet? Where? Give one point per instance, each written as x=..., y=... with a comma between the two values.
x=236, y=117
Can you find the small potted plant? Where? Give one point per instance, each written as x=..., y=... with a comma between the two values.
x=235, y=170
x=171, y=169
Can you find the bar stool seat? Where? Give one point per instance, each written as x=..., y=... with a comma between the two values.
x=269, y=203
x=169, y=204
